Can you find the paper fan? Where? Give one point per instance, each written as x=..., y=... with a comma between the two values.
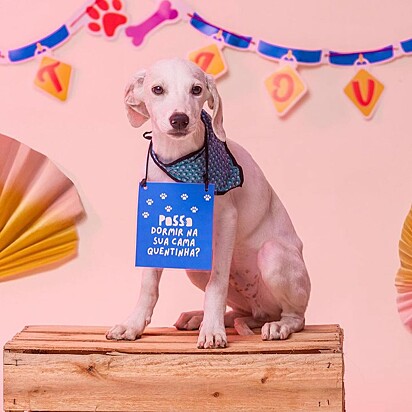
x=39, y=209
x=403, y=280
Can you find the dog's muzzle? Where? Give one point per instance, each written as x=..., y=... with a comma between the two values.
x=179, y=121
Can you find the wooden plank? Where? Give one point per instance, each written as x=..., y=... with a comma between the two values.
x=142, y=346
x=67, y=339
x=100, y=382
x=103, y=329
x=177, y=337
x=153, y=331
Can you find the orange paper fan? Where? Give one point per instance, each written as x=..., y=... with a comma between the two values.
x=39, y=209
x=403, y=280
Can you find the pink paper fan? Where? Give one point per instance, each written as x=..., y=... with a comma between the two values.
x=404, y=302
x=39, y=209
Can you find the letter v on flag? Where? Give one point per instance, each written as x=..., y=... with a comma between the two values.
x=364, y=91
x=53, y=76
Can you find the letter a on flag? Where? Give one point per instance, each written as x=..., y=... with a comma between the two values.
x=53, y=76
x=364, y=91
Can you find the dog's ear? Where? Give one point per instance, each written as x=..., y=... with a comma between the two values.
x=215, y=103
x=133, y=97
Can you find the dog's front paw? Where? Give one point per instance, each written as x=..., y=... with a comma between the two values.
x=124, y=332
x=210, y=338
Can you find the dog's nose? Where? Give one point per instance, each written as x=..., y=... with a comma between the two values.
x=179, y=121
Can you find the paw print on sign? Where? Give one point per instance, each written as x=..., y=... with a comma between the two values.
x=207, y=197
x=184, y=196
x=163, y=196
x=194, y=209
x=145, y=215
x=168, y=208
x=106, y=15
x=149, y=202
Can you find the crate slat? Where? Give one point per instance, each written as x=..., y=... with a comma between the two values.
x=142, y=346
x=152, y=331
x=171, y=338
x=166, y=340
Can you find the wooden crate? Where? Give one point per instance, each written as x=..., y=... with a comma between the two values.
x=74, y=368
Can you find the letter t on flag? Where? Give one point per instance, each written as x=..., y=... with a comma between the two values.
x=53, y=76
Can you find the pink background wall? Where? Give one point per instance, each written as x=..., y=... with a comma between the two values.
x=346, y=182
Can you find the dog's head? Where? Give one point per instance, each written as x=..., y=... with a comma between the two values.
x=172, y=94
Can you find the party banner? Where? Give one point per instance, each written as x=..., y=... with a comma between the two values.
x=108, y=18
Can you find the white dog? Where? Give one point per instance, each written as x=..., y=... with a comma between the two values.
x=258, y=268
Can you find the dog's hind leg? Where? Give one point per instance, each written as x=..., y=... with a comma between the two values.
x=189, y=320
x=193, y=320
x=231, y=316
x=284, y=273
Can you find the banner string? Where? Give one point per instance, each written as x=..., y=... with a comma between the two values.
x=230, y=39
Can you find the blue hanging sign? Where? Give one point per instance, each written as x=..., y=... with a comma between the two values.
x=175, y=226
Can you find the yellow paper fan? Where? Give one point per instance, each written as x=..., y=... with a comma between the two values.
x=403, y=279
x=39, y=209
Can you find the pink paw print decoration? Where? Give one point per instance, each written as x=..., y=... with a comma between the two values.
x=106, y=17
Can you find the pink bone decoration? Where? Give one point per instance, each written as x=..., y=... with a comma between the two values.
x=162, y=14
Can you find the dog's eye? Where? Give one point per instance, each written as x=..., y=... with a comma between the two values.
x=157, y=90
x=196, y=90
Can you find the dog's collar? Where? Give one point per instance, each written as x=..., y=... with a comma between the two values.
x=222, y=170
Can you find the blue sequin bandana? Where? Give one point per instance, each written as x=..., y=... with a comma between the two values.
x=222, y=170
